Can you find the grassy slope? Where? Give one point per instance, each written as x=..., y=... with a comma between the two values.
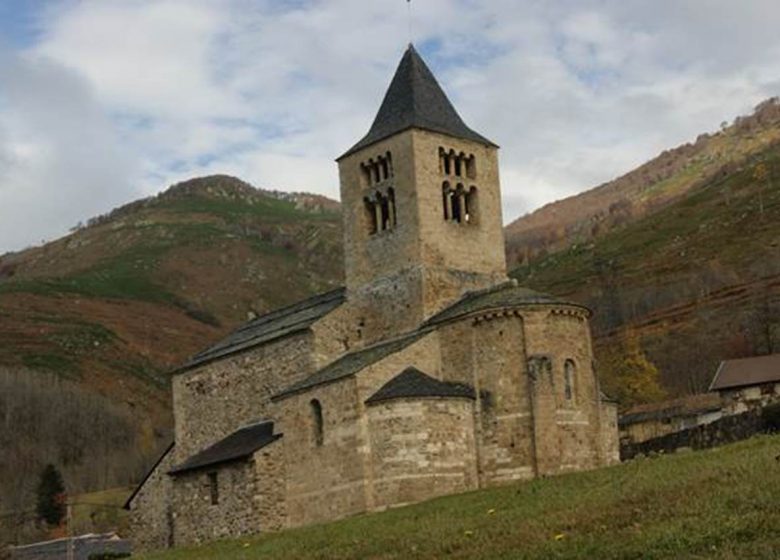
x=719, y=504
x=694, y=272
x=116, y=305
x=645, y=189
x=190, y=265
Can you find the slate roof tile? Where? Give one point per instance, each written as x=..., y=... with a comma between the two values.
x=271, y=326
x=238, y=445
x=413, y=383
x=416, y=100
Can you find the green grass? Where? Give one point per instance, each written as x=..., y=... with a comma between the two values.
x=720, y=504
x=718, y=223
x=98, y=512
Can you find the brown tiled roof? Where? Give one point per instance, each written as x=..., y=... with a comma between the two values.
x=747, y=371
x=238, y=445
x=674, y=408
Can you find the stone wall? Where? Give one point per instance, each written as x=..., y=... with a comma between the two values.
x=216, y=399
x=421, y=448
x=740, y=400
x=567, y=432
x=726, y=430
x=610, y=438
x=326, y=481
x=399, y=277
x=196, y=519
x=270, y=500
x=335, y=479
x=151, y=516
x=506, y=420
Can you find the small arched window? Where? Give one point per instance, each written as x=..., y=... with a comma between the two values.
x=371, y=218
x=317, y=424
x=471, y=206
x=569, y=374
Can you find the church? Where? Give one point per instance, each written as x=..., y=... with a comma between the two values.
x=430, y=373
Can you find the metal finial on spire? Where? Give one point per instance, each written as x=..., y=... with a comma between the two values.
x=409, y=13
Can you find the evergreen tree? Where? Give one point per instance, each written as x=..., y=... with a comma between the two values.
x=51, y=496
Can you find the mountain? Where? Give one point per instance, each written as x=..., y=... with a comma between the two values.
x=691, y=269
x=108, y=310
x=680, y=255
x=645, y=190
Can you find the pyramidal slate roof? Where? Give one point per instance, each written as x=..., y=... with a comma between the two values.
x=412, y=382
x=241, y=443
x=416, y=100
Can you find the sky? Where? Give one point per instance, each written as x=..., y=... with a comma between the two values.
x=106, y=101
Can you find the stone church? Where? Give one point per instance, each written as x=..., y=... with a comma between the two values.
x=429, y=373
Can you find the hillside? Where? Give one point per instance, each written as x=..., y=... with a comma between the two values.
x=633, y=510
x=108, y=310
x=645, y=190
x=697, y=281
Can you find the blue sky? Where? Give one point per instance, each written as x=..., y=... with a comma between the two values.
x=105, y=101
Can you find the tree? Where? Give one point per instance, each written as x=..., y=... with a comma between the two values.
x=627, y=374
x=761, y=176
x=51, y=496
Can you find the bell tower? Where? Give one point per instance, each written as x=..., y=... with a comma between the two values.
x=421, y=206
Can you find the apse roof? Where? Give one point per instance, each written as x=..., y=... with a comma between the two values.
x=413, y=383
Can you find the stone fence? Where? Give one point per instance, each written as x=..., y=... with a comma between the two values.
x=726, y=430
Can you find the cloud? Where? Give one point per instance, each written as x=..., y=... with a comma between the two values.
x=575, y=92
x=60, y=158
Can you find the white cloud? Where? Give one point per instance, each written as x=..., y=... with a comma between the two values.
x=61, y=159
x=575, y=92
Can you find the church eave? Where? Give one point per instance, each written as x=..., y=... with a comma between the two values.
x=363, y=144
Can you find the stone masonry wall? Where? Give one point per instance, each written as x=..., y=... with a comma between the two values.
x=499, y=373
x=421, y=448
x=216, y=399
x=151, y=521
x=567, y=433
x=726, y=430
x=335, y=479
x=196, y=519
x=324, y=482
x=270, y=500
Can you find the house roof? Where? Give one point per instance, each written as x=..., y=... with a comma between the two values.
x=674, y=408
x=238, y=445
x=271, y=326
x=508, y=294
x=747, y=371
x=412, y=382
x=351, y=363
x=416, y=100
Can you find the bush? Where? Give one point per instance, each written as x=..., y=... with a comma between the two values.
x=771, y=416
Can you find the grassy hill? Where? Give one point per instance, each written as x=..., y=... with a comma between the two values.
x=717, y=504
x=644, y=190
x=109, y=309
x=697, y=281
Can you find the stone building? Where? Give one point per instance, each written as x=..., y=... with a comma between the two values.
x=748, y=383
x=429, y=373
x=653, y=420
